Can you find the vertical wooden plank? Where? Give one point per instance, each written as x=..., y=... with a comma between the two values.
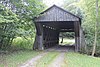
x=83, y=46
x=77, y=37
x=38, y=44
x=40, y=41
x=35, y=46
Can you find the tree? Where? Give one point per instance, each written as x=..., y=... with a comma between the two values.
x=96, y=27
x=71, y=6
x=88, y=14
x=22, y=10
x=8, y=25
x=92, y=34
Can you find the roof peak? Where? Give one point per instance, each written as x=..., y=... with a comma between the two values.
x=60, y=9
x=54, y=5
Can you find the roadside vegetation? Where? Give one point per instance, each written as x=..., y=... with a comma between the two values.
x=17, y=58
x=79, y=60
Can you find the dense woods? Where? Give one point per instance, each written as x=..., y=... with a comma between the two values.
x=16, y=22
x=17, y=28
x=87, y=10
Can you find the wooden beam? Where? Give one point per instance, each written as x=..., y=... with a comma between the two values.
x=38, y=44
x=77, y=36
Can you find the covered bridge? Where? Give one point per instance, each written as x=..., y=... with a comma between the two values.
x=53, y=21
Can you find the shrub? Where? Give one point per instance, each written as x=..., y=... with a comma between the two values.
x=21, y=42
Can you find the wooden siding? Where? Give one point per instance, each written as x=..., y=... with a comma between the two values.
x=56, y=14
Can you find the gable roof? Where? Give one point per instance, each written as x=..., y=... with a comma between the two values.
x=55, y=13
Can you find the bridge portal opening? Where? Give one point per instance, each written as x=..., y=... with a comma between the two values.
x=67, y=38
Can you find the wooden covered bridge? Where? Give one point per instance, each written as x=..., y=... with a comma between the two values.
x=53, y=21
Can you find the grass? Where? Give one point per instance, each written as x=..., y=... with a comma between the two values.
x=79, y=60
x=71, y=59
x=17, y=58
x=66, y=41
x=47, y=59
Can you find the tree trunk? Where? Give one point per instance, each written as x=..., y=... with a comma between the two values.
x=96, y=31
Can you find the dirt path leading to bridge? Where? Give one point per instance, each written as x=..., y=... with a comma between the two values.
x=33, y=61
x=58, y=61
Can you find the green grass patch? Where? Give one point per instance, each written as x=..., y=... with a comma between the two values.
x=79, y=60
x=45, y=61
x=66, y=41
x=17, y=58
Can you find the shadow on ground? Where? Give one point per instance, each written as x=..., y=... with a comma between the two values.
x=60, y=48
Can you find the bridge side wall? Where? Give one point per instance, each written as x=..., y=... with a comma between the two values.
x=77, y=36
x=46, y=37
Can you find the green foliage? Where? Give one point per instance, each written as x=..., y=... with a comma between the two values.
x=16, y=20
x=89, y=8
x=86, y=9
x=23, y=43
x=28, y=9
x=71, y=6
x=67, y=34
x=7, y=26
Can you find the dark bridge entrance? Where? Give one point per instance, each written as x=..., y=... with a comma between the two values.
x=53, y=21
